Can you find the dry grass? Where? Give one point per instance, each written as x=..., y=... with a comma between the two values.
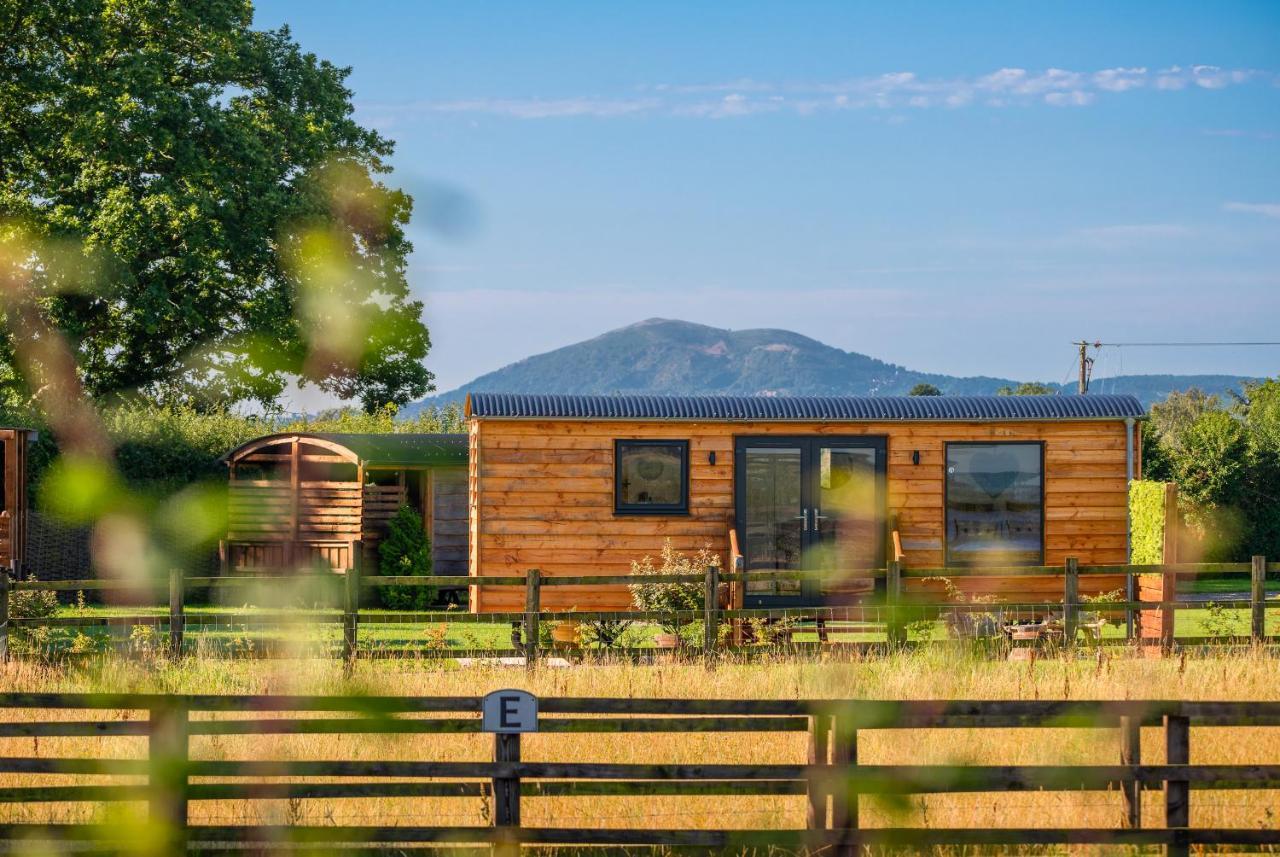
x=928, y=674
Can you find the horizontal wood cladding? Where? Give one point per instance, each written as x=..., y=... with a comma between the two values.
x=541, y=495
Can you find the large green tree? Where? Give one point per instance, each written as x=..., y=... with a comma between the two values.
x=226, y=200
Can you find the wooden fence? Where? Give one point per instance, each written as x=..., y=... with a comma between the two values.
x=832, y=779
x=1154, y=608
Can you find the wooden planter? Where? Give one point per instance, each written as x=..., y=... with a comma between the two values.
x=565, y=634
x=663, y=640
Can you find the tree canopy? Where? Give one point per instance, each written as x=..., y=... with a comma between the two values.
x=1027, y=388
x=200, y=216
x=924, y=389
x=1226, y=462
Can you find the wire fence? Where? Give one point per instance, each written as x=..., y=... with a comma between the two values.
x=330, y=615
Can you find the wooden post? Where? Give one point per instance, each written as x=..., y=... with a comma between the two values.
x=532, y=606
x=819, y=755
x=506, y=796
x=896, y=631
x=710, y=614
x=844, y=799
x=4, y=614
x=1258, y=600
x=1169, y=552
x=351, y=610
x=1131, y=755
x=1070, y=600
x=167, y=748
x=1177, y=793
x=177, y=620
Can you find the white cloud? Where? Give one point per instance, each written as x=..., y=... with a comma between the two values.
x=1075, y=98
x=1266, y=209
x=1005, y=87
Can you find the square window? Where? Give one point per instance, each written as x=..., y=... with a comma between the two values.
x=651, y=477
x=995, y=504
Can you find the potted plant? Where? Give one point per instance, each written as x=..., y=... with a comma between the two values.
x=671, y=599
x=566, y=633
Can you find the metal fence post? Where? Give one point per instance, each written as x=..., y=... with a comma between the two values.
x=351, y=610
x=1070, y=602
x=1131, y=755
x=1258, y=599
x=177, y=619
x=710, y=614
x=532, y=606
x=1177, y=793
x=167, y=749
x=4, y=614
x=506, y=796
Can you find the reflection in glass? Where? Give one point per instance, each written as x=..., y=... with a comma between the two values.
x=650, y=475
x=994, y=504
x=848, y=527
x=773, y=528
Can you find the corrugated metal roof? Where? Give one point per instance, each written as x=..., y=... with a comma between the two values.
x=390, y=450
x=805, y=408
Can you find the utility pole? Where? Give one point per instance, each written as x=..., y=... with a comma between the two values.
x=1086, y=364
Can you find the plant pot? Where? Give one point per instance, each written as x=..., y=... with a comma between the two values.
x=565, y=634
x=663, y=640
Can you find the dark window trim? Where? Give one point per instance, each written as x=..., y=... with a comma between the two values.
x=681, y=508
x=946, y=482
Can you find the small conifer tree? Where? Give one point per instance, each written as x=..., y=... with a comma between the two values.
x=405, y=552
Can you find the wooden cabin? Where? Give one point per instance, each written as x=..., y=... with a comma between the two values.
x=13, y=496
x=300, y=499
x=576, y=485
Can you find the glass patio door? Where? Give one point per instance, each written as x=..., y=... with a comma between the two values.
x=814, y=504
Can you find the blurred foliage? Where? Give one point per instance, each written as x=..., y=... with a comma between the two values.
x=190, y=204
x=406, y=552
x=1225, y=459
x=1146, y=516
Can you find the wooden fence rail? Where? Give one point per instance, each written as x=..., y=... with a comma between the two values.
x=892, y=608
x=832, y=779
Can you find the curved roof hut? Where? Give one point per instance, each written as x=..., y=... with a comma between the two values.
x=300, y=498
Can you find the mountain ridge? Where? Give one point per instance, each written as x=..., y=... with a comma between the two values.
x=660, y=356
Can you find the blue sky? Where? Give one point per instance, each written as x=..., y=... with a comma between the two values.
x=962, y=188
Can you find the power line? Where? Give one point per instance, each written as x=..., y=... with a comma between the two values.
x=1174, y=344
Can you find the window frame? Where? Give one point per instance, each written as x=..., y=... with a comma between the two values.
x=946, y=508
x=669, y=509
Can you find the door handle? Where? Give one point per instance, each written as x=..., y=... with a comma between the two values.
x=803, y=517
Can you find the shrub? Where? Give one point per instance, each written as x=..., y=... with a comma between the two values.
x=406, y=552
x=672, y=598
x=1146, y=512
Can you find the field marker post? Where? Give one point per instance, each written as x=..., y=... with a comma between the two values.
x=1258, y=599
x=1177, y=793
x=896, y=631
x=1070, y=602
x=4, y=614
x=1131, y=755
x=177, y=620
x=532, y=606
x=507, y=713
x=167, y=749
x=710, y=615
x=351, y=609
x=844, y=799
x=819, y=755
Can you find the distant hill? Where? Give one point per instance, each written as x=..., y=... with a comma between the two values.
x=661, y=356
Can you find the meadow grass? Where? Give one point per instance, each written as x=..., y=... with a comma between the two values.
x=938, y=672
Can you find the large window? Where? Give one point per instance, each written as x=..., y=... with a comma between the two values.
x=651, y=477
x=995, y=504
